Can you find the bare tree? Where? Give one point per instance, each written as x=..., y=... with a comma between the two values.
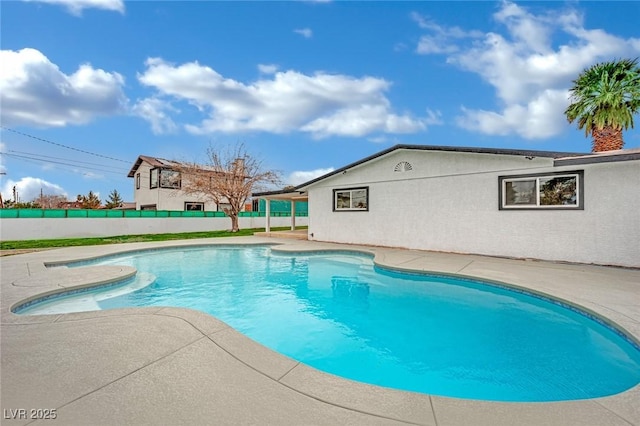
x=50, y=201
x=229, y=176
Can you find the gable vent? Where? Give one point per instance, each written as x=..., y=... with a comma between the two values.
x=403, y=166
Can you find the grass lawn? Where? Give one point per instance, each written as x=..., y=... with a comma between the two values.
x=68, y=242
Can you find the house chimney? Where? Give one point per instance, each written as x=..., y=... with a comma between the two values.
x=238, y=166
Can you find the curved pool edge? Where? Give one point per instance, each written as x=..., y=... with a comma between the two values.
x=71, y=281
x=381, y=403
x=379, y=261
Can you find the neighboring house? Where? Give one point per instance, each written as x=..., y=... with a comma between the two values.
x=126, y=206
x=157, y=185
x=499, y=202
x=70, y=205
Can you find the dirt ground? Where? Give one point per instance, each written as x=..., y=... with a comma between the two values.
x=19, y=251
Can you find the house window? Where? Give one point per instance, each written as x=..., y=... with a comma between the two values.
x=137, y=180
x=153, y=179
x=563, y=190
x=351, y=199
x=148, y=207
x=224, y=207
x=191, y=206
x=169, y=179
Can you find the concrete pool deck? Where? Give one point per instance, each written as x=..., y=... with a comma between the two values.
x=177, y=366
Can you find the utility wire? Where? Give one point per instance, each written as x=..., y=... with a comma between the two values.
x=32, y=159
x=64, y=146
x=60, y=158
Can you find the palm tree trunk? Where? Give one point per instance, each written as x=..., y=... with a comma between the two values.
x=607, y=139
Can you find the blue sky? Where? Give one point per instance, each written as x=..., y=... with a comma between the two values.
x=88, y=85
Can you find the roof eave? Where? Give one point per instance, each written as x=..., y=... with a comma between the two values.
x=495, y=151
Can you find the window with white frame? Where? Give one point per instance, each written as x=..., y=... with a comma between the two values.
x=137, y=180
x=561, y=190
x=351, y=199
x=193, y=206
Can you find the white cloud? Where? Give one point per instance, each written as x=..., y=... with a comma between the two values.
x=268, y=68
x=33, y=91
x=76, y=7
x=441, y=39
x=433, y=44
x=28, y=189
x=542, y=117
x=154, y=110
x=321, y=104
x=433, y=118
x=302, y=176
x=361, y=121
x=454, y=32
x=89, y=175
x=530, y=75
x=304, y=32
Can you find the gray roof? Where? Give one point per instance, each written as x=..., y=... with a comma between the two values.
x=154, y=161
x=162, y=163
x=560, y=159
x=600, y=157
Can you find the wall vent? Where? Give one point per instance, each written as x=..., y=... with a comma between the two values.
x=403, y=166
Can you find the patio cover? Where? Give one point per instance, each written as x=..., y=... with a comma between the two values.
x=287, y=195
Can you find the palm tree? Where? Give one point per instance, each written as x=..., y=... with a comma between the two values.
x=604, y=99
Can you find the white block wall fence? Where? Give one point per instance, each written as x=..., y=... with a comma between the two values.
x=51, y=228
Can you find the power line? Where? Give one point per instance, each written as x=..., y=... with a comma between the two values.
x=61, y=158
x=64, y=146
x=33, y=159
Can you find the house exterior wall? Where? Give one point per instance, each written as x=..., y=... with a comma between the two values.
x=162, y=198
x=449, y=202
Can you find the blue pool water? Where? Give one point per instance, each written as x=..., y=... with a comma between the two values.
x=339, y=313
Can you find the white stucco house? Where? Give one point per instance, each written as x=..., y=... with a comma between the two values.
x=515, y=203
x=157, y=186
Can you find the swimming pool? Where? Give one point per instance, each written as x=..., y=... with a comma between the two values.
x=339, y=313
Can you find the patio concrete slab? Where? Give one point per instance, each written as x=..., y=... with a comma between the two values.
x=49, y=365
x=394, y=404
x=76, y=277
x=625, y=405
x=455, y=412
x=178, y=366
x=258, y=357
x=204, y=323
x=202, y=384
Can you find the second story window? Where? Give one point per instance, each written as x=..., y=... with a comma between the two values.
x=164, y=178
x=169, y=179
x=153, y=180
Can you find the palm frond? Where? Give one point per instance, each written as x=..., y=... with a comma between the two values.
x=606, y=95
